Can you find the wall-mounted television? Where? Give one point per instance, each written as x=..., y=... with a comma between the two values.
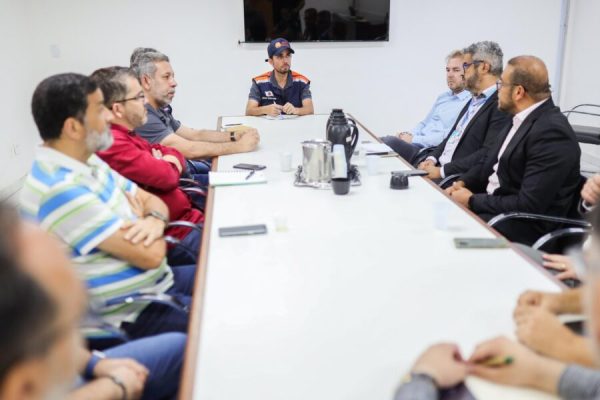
x=316, y=20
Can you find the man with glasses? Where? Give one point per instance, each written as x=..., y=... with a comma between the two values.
x=431, y=131
x=154, y=167
x=113, y=229
x=534, y=166
x=280, y=91
x=479, y=122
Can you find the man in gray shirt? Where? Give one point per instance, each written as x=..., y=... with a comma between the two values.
x=158, y=81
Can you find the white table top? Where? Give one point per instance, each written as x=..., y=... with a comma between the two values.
x=341, y=304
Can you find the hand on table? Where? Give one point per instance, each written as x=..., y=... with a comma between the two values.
x=525, y=369
x=289, y=109
x=432, y=170
x=546, y=301
x=273, y=110
x=591, y=190
x=249, y=141
x=405, y=136
x=462, y=196
x=560, y=263
x=542, y=331
x=443, y=363
x=455, y=186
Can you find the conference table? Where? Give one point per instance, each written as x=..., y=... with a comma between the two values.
x=343, y=292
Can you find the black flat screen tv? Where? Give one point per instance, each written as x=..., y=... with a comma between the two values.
x=316, y=20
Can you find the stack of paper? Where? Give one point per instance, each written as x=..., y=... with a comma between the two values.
x=227, y=178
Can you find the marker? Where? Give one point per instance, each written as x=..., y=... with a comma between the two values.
x=496, y=361
x=250, y=175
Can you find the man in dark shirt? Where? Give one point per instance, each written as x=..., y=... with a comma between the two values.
x=157, y=78
x=280, y=91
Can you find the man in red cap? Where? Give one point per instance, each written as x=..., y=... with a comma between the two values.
x=280, y=91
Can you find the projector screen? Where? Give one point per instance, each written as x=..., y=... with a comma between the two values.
x=316, y=20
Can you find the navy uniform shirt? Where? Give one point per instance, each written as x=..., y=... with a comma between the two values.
x=265, y=89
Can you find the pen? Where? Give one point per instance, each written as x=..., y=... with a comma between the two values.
x=382, y=153
x=250, y=174
x=496, y=361
x=231, y=124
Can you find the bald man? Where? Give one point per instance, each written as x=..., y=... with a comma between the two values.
x=534, y=165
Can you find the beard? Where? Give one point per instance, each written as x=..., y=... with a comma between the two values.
x=98, y=141
x=471, y=82
x=507, y=106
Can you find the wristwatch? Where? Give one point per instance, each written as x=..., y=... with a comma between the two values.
x=157, y=215
x=232, y=136
x=88, y=373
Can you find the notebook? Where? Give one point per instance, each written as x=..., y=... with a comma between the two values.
x=229, y=178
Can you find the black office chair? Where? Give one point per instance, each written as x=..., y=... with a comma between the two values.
x=196, y=192
x=422, y=155
x=173, y=241
x=584, y=133
x=101, y=335
x=572, y=229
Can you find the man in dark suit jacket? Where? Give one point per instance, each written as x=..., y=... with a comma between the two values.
x=479, y=122
x=534, y=165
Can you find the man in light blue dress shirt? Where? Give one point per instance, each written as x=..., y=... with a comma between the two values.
x=431, y=131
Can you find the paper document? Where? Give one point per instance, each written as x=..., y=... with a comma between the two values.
x=376, y=148
x=227, y=178
x=236, y=127
x=283, y=116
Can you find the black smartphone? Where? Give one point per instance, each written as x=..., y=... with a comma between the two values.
x=480, y=243
x=254, y=167
x=243, y=230
x=411, y=172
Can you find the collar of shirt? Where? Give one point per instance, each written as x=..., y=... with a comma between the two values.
x=521, y=116
x=274, y=82
x=462, y=95
x=487, y=92
x=48, y=154
x=122, y=129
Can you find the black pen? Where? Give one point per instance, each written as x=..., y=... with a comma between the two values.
x=381, y=153
x=250, y=174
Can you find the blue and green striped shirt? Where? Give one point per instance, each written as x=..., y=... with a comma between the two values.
x=84, y=204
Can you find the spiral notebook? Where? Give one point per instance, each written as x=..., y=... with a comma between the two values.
x=229, y=178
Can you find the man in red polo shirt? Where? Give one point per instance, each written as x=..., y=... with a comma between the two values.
x=153, y=167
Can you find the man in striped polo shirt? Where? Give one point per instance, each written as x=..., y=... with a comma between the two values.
x=112, y=228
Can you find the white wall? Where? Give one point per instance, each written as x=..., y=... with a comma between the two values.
x=17, y=131
x=388, y=86
x=581, y=77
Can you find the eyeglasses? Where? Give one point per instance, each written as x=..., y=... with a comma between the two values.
x=140, y=97
x=500, y=84
x=475, y=62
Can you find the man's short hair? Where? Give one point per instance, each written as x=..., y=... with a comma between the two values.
x=137, y=52
x=455, y=54
x=57, y=98
x=145, y=63
x=113, y=83
x=535, y=83
x=489, y=52
x=27, y=313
